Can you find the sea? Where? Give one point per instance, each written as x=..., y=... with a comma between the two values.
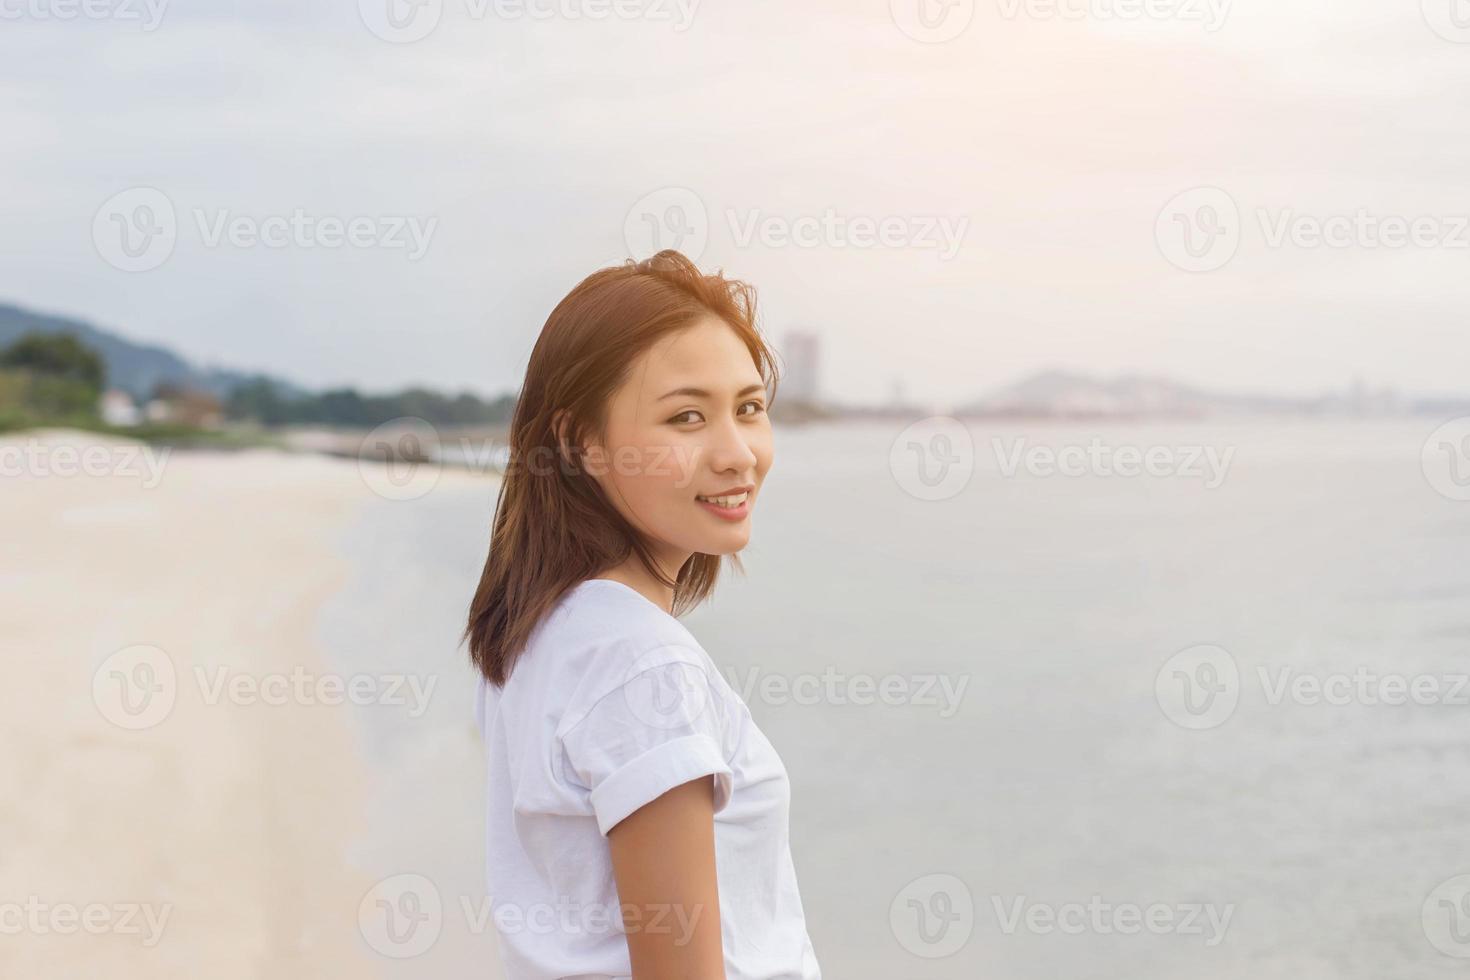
x=1088, y=699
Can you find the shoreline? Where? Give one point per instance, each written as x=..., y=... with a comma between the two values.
x=222, y=817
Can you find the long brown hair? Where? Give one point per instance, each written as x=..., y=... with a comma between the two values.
x=553, y=525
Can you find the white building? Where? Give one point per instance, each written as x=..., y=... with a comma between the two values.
x=117, y=408
x=801, y=358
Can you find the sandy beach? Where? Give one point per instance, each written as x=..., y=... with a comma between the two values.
x=180, y=785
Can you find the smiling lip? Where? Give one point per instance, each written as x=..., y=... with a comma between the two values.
x=743, y=488
x=729, y=513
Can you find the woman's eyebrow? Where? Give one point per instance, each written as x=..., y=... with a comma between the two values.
x=701, y=393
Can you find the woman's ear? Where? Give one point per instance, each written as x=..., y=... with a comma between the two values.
x=561, y=430
x=559, y=423
x=584, y=457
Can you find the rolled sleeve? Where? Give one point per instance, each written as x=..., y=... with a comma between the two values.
x=660, y=727
x=657, y=771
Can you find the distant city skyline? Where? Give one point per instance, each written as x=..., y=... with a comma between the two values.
x=802, y=353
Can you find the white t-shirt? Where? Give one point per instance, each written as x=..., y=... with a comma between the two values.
x=612, y=704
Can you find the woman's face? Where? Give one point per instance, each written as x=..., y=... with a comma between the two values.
x=688, y=443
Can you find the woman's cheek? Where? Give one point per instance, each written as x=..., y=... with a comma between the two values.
x=684, y=459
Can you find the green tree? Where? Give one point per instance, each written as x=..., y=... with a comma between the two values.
x=259, y=400
x=54, y=376
x=59, y=355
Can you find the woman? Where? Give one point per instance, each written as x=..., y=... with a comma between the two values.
x=637, y=822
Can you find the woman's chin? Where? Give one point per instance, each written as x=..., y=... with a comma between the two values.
x=728, y=543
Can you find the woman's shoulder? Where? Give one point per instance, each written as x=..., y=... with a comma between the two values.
x=602, y=634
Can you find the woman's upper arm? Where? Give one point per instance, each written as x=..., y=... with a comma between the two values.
x=663, y=857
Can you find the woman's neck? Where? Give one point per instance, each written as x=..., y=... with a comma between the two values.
x=632, y=574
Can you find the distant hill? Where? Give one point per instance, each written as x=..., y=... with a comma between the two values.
x=139, y=368
x=134, y=367
x=1064, y=394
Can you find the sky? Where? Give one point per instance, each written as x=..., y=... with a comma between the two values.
x=951, y=194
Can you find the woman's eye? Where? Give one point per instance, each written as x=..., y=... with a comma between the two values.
x=691, y=416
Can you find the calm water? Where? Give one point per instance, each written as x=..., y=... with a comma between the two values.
x=1033, y=769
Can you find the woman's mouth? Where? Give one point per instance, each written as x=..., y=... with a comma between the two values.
x=730, y=507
